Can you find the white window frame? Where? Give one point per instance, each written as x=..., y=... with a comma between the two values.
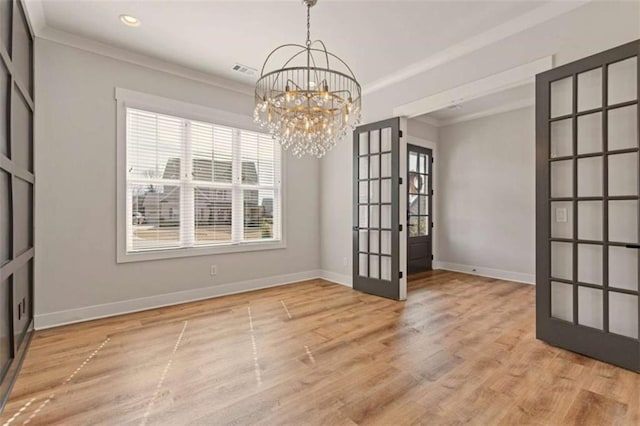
x=131, y=99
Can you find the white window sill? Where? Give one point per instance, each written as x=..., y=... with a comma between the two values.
x=171, y=253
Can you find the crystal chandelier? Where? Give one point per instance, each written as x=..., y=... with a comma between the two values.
x=311, y=102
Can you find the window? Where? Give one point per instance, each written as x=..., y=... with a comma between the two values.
x=193, y=185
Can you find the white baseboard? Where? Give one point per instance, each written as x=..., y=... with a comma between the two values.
x=486, y=272
x=87, y=313
x=334, y=277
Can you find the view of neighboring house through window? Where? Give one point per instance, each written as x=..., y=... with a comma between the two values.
x=191, y=183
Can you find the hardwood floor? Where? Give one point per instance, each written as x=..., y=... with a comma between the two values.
x=461, y=349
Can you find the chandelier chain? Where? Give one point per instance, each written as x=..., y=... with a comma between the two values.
x=308, y=25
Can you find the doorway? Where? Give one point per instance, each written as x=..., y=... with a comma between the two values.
x=419, y=209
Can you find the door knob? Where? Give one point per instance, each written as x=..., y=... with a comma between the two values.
x=633, y=246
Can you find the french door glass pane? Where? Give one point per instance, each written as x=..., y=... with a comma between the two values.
x=623, y=221
x=562, y=219
x=623, y=81
x=562, y=178
x=418, y=226
x=561, y=138
x=590, y=89
x=562, y=97
x=363, y=193
x=363, y=143
x=155, y=216
x=590, y=177
x=386, y=139
x=623, y=174
x=623, y=268
x=590, y=133
x=374, y=191
x=363, y=215
x=363, y=265
x=562, y=260
x=590, y=220
x=385, y=165
x=623, y=314
x=374, y=217
x=374, y=266
x=623, y=128
x=414, y=206
x=413, y=161
x=423, y=163
x=363, y=241
x=424, y=225
x=590, y=307
x=374, y=166
x=374, y=142
x=590, y=263
x=385, y=190
x=212, y=215
x=5, y=217
x=413, y=226
x=424, y=204
x=385, y=219
x=386, y=268
x=374, y=242
x=258, y=214
x=363, y=170
x=385, y=242
x=562, y=301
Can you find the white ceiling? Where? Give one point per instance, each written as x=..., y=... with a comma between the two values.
x=376, y=38
x=501, y=101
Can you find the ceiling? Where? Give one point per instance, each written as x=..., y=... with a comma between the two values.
x=376, y=38
x=501, y=101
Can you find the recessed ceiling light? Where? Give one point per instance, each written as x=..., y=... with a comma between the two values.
x=130, y=20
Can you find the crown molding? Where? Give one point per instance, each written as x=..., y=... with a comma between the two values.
x=517, y=25
x=37, y=19
x=96, y=47
x=35, y=15
x=544, y=13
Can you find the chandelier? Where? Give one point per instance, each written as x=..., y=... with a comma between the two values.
x=312, y=101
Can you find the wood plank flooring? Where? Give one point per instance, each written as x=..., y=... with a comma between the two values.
x=461, y=349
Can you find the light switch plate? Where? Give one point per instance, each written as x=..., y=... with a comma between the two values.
x=561, y=215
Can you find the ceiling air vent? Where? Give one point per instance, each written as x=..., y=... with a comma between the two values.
x=244, y=69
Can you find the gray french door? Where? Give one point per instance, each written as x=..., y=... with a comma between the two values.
x=376, y=169
x=588, y=217
x=419, y=209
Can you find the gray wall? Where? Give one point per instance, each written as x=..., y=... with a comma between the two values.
x=587, y=30
x=486, y=175
x=76, y=189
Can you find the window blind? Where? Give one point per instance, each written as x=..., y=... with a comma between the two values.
x=192, y=184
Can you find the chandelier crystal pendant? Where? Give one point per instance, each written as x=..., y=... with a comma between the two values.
x=312, y=101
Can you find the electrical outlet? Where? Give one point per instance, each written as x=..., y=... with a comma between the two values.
x=214, y=270
x=345, y=261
